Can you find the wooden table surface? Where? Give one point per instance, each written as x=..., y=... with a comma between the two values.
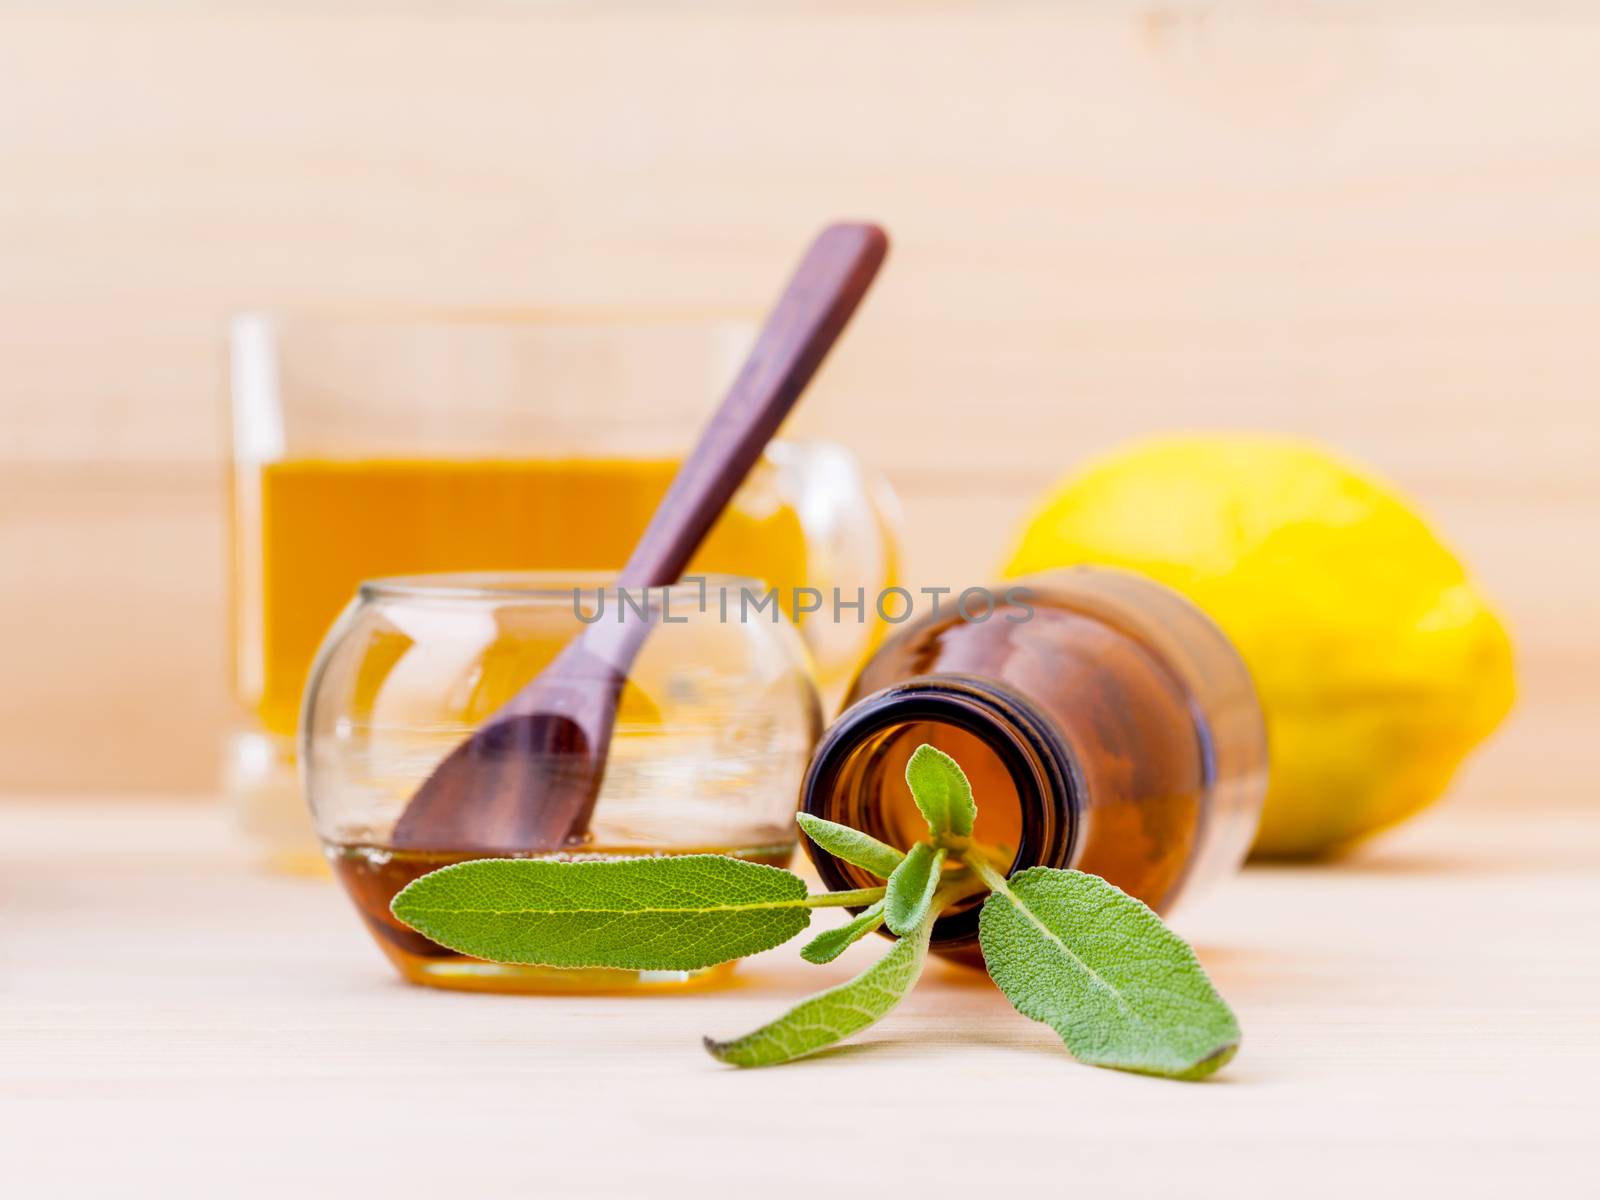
x=1424, y=1016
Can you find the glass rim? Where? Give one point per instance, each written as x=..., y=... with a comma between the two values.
x=537, y=586
x=401, y=316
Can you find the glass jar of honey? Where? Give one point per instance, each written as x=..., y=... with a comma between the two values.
x=713, y=729
x=1105, y=723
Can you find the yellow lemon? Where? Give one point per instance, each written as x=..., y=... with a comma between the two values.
x=1378, y=663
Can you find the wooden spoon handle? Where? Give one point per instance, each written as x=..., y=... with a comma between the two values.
x=819, y=300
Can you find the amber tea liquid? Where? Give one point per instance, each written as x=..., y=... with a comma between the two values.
x=308, y=531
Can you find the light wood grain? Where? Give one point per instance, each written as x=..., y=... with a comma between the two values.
x=1419, y=1020
x=1368, y=223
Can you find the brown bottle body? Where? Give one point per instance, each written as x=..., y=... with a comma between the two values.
x=1105, y=723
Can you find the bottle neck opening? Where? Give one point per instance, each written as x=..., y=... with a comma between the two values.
x=1027, y=785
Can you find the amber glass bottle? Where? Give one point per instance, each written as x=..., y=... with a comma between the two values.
x=1105, y=723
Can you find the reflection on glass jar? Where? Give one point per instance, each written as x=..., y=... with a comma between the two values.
x=367, y=447
x=713, y=732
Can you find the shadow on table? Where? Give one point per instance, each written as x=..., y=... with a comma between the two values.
x=1038, y=1042
x=1389, y=864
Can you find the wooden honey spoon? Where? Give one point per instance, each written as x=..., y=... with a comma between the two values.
x=527, y=778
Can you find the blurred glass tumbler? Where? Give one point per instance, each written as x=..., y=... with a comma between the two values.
x=366, y=446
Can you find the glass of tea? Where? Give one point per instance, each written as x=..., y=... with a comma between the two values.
x=377, y=445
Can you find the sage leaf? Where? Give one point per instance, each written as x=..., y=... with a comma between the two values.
x=941, y=791
x=835, y=1014
x=1098, y=967
x=672, y=913
x=831, y=943
x=911, y=888
x=854, y=847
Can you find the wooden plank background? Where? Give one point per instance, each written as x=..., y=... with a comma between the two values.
x=1367, y=223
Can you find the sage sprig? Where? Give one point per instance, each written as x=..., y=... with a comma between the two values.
x=831, y=943
x=837, y=1013
x=910, y=893
x=1065, y=947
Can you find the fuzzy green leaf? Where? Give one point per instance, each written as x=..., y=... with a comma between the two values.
x=1100, y=968
x=941, y=791
x=674, y=913
x=831, y=943
x=853, y=846
x=835, y=1014
x=911, y=888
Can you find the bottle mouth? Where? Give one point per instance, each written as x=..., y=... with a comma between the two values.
x=1027, y=784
